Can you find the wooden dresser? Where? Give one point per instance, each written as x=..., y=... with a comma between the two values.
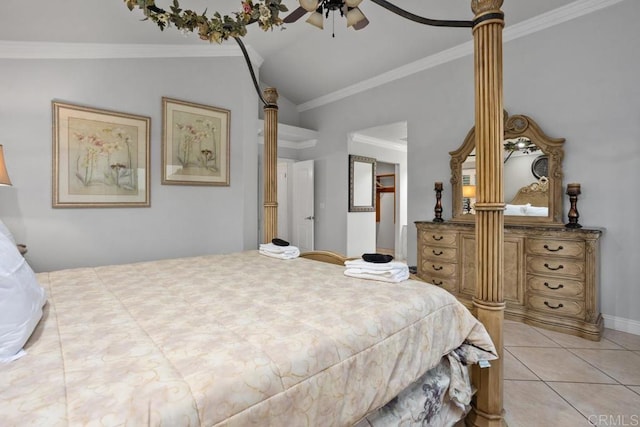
x=551, y=276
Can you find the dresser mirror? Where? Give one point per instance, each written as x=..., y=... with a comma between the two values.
x=532, y=175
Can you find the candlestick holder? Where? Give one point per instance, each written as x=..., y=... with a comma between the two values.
x=438, y=207
x=573, y=191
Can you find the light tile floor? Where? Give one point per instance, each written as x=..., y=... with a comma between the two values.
x=555, y=379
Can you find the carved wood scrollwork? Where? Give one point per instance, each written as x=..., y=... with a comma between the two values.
x=516, y=126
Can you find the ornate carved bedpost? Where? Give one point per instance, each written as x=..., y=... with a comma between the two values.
x=489, y=132
x=270, y=164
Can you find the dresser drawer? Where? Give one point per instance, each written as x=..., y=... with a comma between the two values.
x=439, y=253
x=557, y=306
x=557, y=287
x=555, y=247
x=443, y=238
x=438, y=269
x=448, y=283
x=556, y=266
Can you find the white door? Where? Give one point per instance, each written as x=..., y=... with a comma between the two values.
x=303, y=215
x=283, y=201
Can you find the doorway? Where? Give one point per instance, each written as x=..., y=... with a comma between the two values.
x=385, y=208
x=384, y=230
x=296, y=217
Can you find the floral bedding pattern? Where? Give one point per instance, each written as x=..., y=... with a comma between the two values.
x=440, y=397
x=227, y=340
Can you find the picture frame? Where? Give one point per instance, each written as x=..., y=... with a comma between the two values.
x=100, y=158
x=195, y=144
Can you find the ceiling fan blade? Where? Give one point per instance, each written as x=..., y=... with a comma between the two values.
x=295, y=15
x=361, y=24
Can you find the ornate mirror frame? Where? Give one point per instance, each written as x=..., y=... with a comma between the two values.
x=362, y=184
x=515, y=126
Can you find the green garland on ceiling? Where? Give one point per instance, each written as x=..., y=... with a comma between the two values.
x=216, y=28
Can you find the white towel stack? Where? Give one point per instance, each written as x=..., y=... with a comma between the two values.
x=393, y=271
x=280, y=252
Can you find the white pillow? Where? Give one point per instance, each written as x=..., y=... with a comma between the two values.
x=21, y=301
x=518, y=210
x=537, y=211
x=4, y=230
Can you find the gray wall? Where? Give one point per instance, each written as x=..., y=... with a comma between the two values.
x=578, y=80
x=182, y=220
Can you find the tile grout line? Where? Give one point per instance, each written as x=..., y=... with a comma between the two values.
x=572, y=349
x=632, y=390
x=524, y=364
x=568, y=403
x=595, y=367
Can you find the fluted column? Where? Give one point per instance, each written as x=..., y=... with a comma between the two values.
x=270, y=164
x=489, y=132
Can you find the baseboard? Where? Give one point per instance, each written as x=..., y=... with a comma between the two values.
x=621, y=324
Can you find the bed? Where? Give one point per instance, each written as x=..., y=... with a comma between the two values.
x=194, y=361
x=530, y=200
x=233, y=340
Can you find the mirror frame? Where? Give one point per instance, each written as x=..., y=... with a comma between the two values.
x=515, y=126
x=353, y=159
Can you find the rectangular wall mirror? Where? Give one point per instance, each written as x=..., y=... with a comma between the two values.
x=362, y=188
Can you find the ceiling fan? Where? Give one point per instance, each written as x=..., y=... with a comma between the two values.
x=347, y=8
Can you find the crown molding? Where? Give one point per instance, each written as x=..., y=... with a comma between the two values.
x=54, y=50
x=530, y=26
x=396, y=74
x=382, y=143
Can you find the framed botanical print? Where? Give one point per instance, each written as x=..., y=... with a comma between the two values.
x=100, y=158
x=195, y=143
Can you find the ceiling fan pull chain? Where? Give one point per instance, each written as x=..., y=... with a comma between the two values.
x=333, y=24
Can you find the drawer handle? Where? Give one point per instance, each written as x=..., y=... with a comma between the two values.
x=560, y=286
x=437, y=253
x=437, y=238
x=438, y=268
x=559, y=248
x=440, y=283
x=552, y=307
x=560, y=267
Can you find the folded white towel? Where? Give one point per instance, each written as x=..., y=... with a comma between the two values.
x=275, y=249
x=389, y=277
x=290, y=253
x=360, y=263
x=385, y=273
x=393, y=271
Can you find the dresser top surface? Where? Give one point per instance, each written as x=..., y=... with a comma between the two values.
x=514, y=227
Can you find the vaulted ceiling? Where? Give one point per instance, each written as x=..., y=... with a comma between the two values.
x=303, y=62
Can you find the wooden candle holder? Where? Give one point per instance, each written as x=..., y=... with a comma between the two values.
x=438, y=207
x=573, y=191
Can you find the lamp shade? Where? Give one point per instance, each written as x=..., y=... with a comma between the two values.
x=309, y=5
x=354, y=16
x=316, y=20
x=4, y=175
x=469, y=191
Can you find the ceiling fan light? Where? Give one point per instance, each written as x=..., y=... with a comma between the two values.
x=353, y=3
x=316, y=19
x=309, y=5
x=354, y=16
